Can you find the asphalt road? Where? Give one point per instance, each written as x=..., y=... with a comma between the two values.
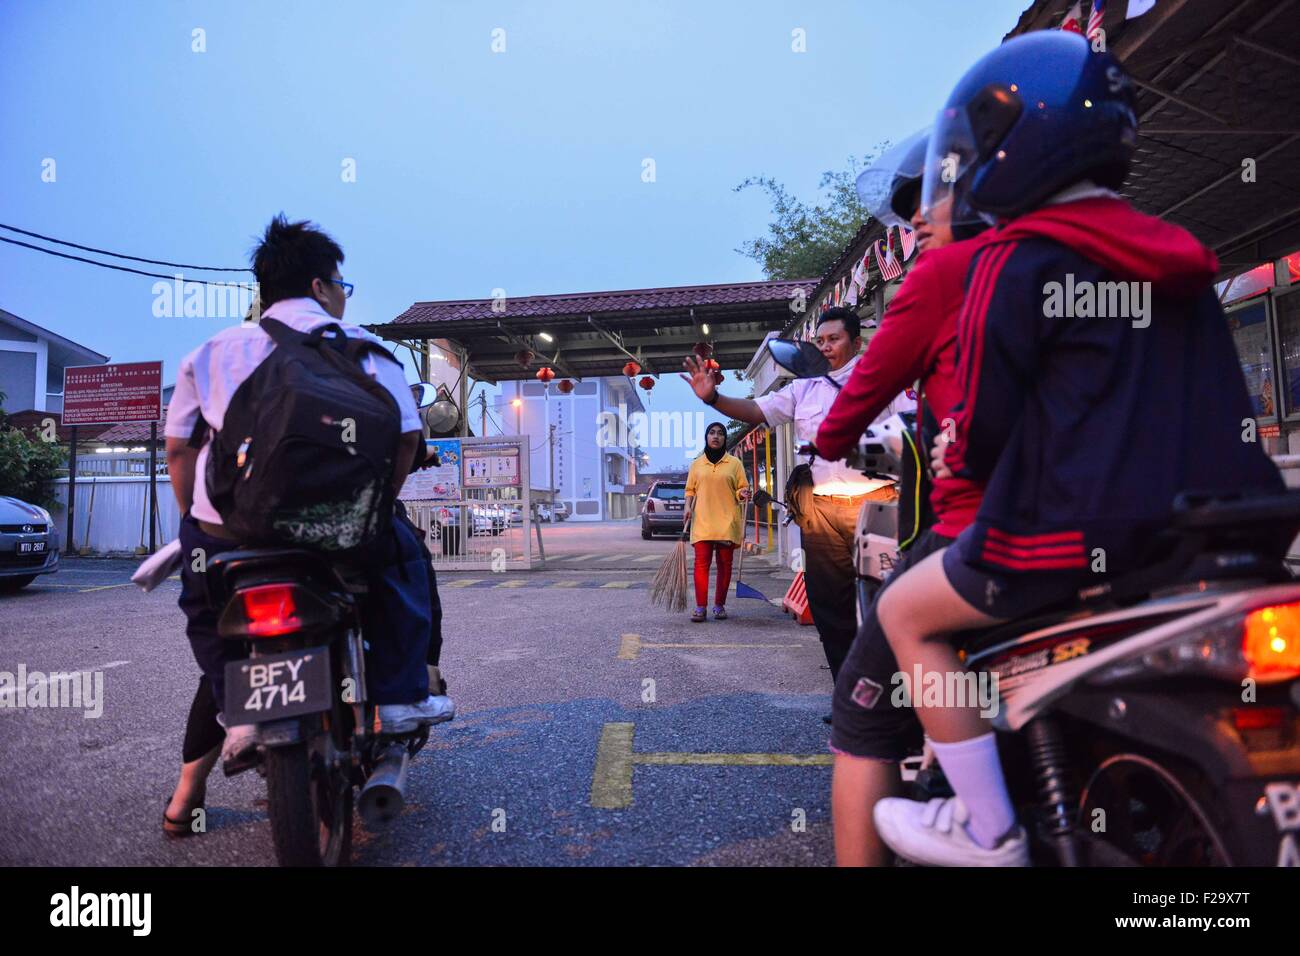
x=593, y=729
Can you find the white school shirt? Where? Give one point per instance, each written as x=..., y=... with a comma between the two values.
x=805, y=401
x=210, y=374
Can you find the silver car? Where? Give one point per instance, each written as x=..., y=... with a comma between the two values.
x=29, y=543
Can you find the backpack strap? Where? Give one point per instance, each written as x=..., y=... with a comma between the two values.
x=282, y=334
x=358, y=348
x=199, y=434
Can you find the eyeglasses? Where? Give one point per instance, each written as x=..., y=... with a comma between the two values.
x=347, y=287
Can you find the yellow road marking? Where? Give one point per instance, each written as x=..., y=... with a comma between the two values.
x=566, y=584
x=617, y=584
x=611, y=780
x=105, y=587
x=461, y=583
x=630, y=645
x=512, y=583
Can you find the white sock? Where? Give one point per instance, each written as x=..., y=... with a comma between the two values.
x=973, y=769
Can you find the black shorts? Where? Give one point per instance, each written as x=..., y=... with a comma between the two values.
x=864, y=721
x=1009, y=595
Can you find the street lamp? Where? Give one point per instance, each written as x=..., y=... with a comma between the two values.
x=518, y=404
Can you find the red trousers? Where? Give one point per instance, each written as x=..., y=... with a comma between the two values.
x=704, y=551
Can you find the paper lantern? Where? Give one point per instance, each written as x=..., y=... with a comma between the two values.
x=565, y=386
x=525, y=357
x=647, y=382
x=544, y=374
x=631, y=369
x=703, y=350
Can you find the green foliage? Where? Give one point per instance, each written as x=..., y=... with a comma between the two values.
x=804, y=241
x=27, y=465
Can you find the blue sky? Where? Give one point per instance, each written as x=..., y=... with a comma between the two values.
x=474, y=170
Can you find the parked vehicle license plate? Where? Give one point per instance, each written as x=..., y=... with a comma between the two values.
x=31, y=547
x=275, y=686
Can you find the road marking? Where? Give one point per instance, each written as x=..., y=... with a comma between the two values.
x=104, y=587
x=630, y=645
x=617, y=584
x=464, y=583
x=611, y=780
x=11, y=692
x=618, y=557
x=566, y=584
x=651, y=557
x=579, y=557
x=512, y=583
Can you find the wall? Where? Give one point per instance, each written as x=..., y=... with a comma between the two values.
x=117, y=523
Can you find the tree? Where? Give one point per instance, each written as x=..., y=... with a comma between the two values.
x=804, y=241
x=27, y=465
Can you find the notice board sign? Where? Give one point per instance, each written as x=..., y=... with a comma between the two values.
x=439, y=482
x=492, y=466
x=108, y=394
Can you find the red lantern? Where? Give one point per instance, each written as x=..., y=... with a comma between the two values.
x=525, y=357
x=565, y=386
x=631, y=369
x=703, y=350
x=647, y=382
x=712, y=364
x=544, y=374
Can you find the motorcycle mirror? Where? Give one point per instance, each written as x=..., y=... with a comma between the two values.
x=801, y=359
x=441, y=416
x=425, y=394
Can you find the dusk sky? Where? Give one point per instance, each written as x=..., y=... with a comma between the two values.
x=473, y=170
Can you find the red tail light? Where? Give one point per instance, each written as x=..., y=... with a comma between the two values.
x=650, y=505
x=270, y=610
x=1270, y=639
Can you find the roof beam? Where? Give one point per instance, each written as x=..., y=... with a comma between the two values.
x=523, y=343
x=617, y=340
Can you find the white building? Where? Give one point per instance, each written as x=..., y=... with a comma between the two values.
x=594, y=465
x=32, y=360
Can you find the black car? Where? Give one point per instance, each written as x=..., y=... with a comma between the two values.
x=664, y=508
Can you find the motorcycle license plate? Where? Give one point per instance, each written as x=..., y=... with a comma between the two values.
x=276, y=686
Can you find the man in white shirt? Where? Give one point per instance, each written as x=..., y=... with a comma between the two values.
x=296, y=266
x=828, y=516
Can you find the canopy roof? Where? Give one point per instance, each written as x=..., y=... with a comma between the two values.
x=597, y=333
x=1218, y=84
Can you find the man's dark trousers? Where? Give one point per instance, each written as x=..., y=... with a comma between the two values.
x=826, y=528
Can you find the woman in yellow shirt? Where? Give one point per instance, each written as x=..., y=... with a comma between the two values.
x=715, y=486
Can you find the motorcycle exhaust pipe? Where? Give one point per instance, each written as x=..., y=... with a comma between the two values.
x=384, y=795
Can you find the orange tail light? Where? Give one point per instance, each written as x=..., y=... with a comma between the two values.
x=1270, y=639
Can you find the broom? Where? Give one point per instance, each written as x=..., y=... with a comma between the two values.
x=669, y=587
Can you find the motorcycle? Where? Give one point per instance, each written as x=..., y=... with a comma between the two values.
x=303, y=685
x=1154, y=719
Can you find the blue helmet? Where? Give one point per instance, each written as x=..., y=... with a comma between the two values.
x=1038, y=114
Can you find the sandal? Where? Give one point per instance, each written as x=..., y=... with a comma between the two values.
x=698, y=617
x=179, y=829
x=719, y=612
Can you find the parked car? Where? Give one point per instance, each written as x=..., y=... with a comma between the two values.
x=665, y=505
x=29, y=543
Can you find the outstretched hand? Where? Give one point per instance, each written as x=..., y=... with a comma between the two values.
x=700, y=378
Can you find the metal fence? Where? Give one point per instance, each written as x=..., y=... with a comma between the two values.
x=487, y=528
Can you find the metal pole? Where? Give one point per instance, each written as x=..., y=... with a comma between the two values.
x=483, y=408
x=550, y=474
x=72, y=487
x=153, y=484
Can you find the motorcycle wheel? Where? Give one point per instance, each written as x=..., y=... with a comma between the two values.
x=309, y=804
x=1151, y=817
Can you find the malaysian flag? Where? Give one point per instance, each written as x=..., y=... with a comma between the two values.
x=909, y=241
x=1095, y=17
x=1073, y=20
x=889, y=266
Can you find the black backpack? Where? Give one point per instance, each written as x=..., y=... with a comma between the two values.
x=305, y=455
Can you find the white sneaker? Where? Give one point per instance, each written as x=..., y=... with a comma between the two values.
x=404, y=718
x=239, y=750
x=934, y=834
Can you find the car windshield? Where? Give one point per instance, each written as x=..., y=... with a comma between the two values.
x=671, y=492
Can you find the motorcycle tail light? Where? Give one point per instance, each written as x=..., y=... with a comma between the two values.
x=1270, y=640
x=270, y=610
